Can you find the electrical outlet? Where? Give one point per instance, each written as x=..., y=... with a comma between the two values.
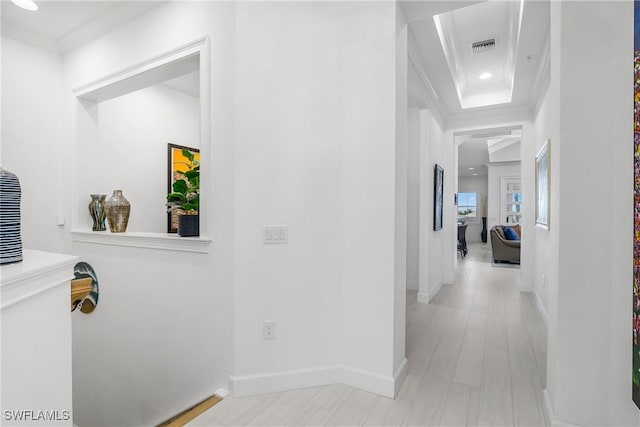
x=269, y=330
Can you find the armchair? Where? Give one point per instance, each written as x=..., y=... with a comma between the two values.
x=504, y=250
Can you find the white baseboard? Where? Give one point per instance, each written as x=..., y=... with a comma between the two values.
x=423, y=298
x=548, y=413
x=412, y=285
x=434, y=291
x=426, y=298
x=399, y=377
x=374, y=383
x=248, y=385
x=541, y=309
x=222, y=393
x=525, y=286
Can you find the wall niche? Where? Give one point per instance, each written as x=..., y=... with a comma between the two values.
x=123, y=125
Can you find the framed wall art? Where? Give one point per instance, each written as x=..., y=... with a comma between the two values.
x=176, y=161
x=543, y=174
x=635, y=368
x=438, y=196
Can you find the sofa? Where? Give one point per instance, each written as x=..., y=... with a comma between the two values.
x=505, y=250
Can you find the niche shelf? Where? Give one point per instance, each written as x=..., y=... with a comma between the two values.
x=191, y=57
x=169, y=242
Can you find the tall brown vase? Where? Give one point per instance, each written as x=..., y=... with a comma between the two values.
x=118, y=209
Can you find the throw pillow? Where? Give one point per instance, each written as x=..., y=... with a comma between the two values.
x=509, y=233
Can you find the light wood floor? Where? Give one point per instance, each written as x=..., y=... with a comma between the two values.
x=476, y=357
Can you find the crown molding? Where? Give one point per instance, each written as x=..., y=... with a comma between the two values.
x=543, y=78
x=480, y=117
x=432, y=100
x=18, y=33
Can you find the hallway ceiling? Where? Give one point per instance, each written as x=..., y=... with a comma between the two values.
x=518, y=61
x=473, y=158
x=61, y=26
x=479, y=148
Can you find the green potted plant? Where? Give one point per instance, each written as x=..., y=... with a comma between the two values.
x=185, y=197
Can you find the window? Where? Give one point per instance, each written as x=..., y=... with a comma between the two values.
x=468, y=206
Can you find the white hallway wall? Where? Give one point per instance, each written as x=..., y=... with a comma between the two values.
x=545, y=248
x=331, y=288
x=436, y=248
x=162, y=343
x=401, y=199
x=35, y=128
x=590, y=297
x=413, y=199
x=161, y=333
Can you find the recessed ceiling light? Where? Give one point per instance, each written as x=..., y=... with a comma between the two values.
x=471, y=169
x=475, y=174
x=484, y=76
x=26, y=4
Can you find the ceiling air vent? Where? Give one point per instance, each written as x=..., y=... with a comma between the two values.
x=483, y=46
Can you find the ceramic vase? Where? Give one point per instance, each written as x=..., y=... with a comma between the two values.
x=10, y=237
x=483, y=233
x=118, y=209
x=97, y=211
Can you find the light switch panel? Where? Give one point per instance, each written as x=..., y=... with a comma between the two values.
x=275, y=234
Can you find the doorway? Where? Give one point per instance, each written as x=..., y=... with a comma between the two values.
x=489, y=190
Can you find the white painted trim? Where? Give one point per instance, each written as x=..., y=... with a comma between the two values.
x=249, y=385
x=548, y=410
x=162, y=241
x=37, y=273
x=433, y=101
x=509, y=163
x=91, y=90
x=548, y=413
x=222, y=393
x=423, y=298
x=433, y=292
x=543, y=77
x=412, y=285
x=525, y=286
x=21, y=34
x=102, y=89
x=368, y=381
x=541, y=309
x=399, y=377
x=478, y=117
